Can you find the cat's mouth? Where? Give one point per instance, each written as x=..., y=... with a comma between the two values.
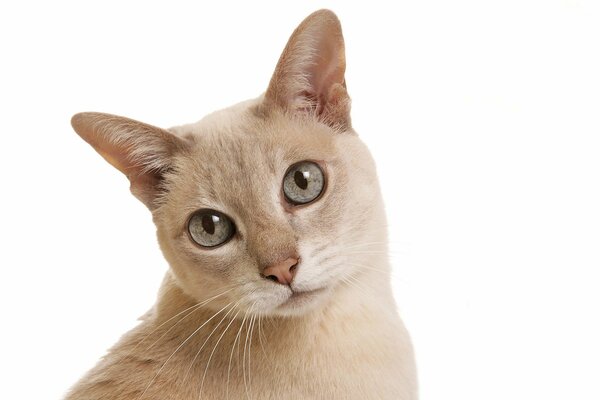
x=301, y=298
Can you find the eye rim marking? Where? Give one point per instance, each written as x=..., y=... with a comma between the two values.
x=234, y=230
x=288, y=203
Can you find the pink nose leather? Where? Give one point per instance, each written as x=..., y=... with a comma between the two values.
x=282, y=271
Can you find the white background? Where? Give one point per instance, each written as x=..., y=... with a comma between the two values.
x=483, y=116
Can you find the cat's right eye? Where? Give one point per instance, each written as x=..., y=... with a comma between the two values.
x=210, y=228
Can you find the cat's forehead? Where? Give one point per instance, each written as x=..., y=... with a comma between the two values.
x=239, y=138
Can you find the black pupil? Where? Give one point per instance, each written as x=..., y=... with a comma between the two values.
x=208, y=224
x=300, y=180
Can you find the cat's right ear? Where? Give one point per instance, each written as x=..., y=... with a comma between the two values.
x=140, y=151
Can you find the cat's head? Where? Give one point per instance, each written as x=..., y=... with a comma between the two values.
x=271, y=204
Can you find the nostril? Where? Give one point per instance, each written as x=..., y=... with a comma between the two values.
x=281, y=272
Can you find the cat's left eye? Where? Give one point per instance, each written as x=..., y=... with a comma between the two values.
x=210, y=228
x=303, y=182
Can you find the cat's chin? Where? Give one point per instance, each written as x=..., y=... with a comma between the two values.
x=301, y=302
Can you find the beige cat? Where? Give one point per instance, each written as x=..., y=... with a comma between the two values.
x=270, y=216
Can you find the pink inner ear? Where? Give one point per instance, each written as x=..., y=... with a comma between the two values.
x=140, y=151
x=309, y=77
x=328, y=96
x=116, y=155
x=329, y=66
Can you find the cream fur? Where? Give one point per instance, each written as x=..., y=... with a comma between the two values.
x=219, y=330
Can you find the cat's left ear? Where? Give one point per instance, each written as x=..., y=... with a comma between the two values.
x=309, y=77
x=140, y=151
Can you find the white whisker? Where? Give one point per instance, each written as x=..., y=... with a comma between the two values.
x=214, y=348
x=362, y=266
x=366, y=244
x=199, y=305
x=191, y=309
x=177, y=349
x=354, y=285
x=244, y=355
x=207, y=339
x=252, y=322
x=237, y=337
x=260, y=339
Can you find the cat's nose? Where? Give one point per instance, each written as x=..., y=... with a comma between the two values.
x=282, y=271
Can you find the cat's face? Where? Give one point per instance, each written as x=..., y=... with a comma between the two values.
x=269, y=205
x=236, y=164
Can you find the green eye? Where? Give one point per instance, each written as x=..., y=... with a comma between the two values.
x=303, y=182
x=210, y=228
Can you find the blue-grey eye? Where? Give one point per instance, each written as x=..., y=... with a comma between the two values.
x=303, y=182
x=210, y=228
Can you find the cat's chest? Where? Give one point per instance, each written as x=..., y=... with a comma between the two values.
x=255, y=376
x=257, y=367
